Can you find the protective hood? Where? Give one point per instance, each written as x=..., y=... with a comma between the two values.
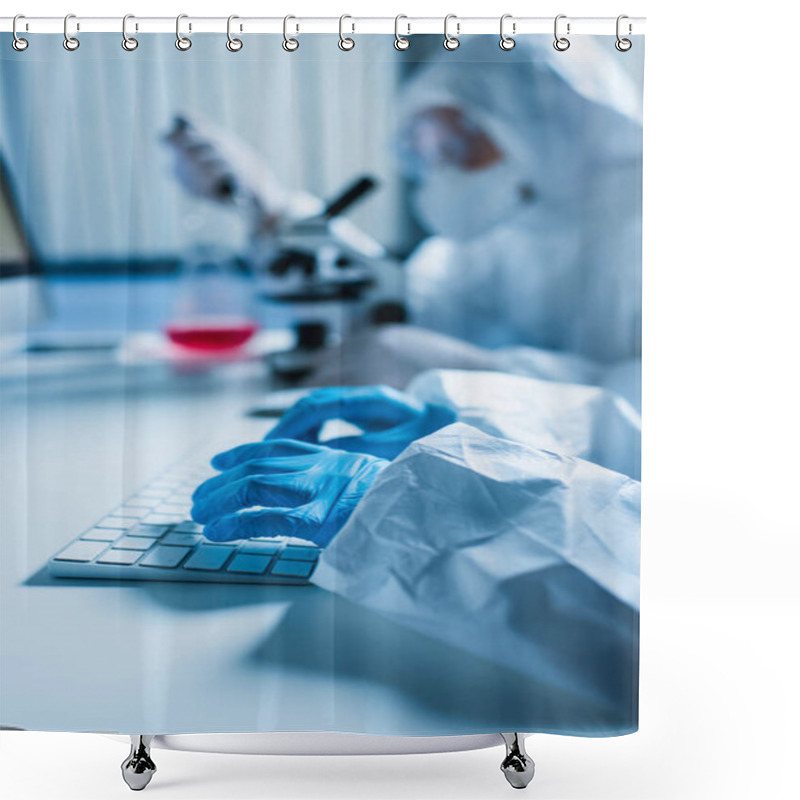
x=561, y=272
x=555, y=114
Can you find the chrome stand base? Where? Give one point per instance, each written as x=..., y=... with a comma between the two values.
x=517, y=766
x=138, y=768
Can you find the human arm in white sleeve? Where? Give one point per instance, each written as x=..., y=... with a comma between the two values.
x=589, y=422
x=518, y=555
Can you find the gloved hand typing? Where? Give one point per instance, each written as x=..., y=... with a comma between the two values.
x=390, y=419
x=283, y=488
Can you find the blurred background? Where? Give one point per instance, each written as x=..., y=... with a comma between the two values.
x=100, y=199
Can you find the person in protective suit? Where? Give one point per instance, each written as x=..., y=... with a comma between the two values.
x=526, y=170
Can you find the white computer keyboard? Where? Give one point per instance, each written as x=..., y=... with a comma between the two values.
x=152, y=538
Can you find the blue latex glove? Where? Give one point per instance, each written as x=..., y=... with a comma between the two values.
x=282, y=488
x=390, y=419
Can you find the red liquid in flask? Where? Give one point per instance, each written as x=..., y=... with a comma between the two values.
x=211, y=334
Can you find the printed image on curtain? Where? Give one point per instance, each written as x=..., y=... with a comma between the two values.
x=320, y=386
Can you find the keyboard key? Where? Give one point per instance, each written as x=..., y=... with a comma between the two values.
x=166, y=557
x=297, y=569
x=165, y=483
x=101, y=535
x=81, y=551
x=132, y=511
x=154, y=494
x=209, y=558
x=135, y=543
x=123, y=557
x=163, y=519
x=142, y=502
x=188, y=527
x=247, y=563
x=260, y=548
x=173, y=507
x=177, y=515
x=187, y=539
x=294, y=540
x=149, y=530
x=300, y=553
x=118, y=523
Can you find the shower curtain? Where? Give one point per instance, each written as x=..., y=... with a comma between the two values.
x=320, y=384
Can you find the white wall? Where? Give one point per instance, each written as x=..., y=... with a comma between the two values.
x=318, y=121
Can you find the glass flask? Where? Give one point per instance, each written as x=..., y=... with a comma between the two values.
x=214, y=301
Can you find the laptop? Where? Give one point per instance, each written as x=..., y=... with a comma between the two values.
x=22, y=299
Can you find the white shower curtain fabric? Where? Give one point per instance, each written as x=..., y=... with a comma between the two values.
x=320, y=386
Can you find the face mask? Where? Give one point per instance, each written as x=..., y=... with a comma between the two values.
x=459, y=204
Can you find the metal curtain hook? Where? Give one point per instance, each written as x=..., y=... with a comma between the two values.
x=400, y=42
x=70, y=42
x=623, y=45
x=561, y=43
x=233, y=44
x=345, y=42
x=289, y=44
x=182, y=42
x=128, y=42
x=507, y=42
x=18, y=43
x=451, y=42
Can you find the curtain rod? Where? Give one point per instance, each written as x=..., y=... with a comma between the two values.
x=300, y=25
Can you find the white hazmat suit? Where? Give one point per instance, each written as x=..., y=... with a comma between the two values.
x=512, y=533
x=543, y=247
x=535, y=261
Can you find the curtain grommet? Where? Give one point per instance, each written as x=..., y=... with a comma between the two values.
x=233, y=44
x=401, y=43
x=18, y=43
x=71, y=43
x=622, y=44
x=451, y=42
x=346, y=43
x=183, y=43
x=561, y=43
x=289, y=44
x=129, y=43
x=507, y=42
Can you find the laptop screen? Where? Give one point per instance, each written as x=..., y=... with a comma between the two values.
x=15, y=254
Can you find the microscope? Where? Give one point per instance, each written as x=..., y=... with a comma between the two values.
x=331, y=277
x=315, y=272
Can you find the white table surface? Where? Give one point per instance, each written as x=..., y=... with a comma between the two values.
x=145, y=657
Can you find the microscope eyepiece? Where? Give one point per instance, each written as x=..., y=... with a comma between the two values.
x=351, y=195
